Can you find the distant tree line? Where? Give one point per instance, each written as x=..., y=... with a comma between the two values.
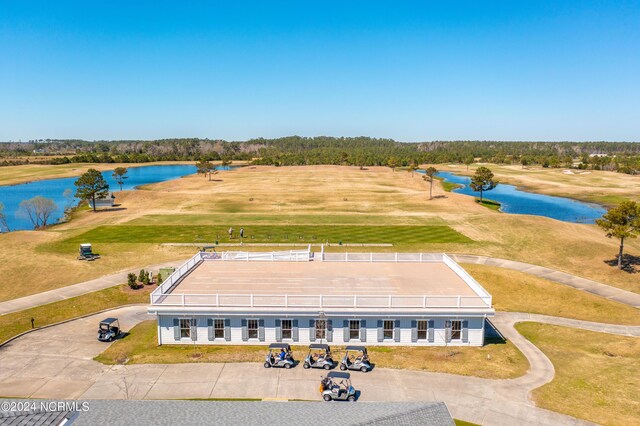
x=623, y=157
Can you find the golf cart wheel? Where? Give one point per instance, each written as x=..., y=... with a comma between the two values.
x=364, y=369
x=305, y=365
x=343, y=367
x=351, y=398
x=327, y=367
x=267, y=365
x=287, y=366
x=326, y=397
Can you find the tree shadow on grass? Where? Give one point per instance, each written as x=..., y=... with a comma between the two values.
x=112, y=209
x=630, y=263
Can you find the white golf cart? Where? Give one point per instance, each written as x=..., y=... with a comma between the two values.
x=336, y=386
x=353, y=362
x=279, y=355
x=109, y=329
x=320, y=359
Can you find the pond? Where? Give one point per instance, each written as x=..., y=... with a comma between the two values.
x=516, y=201
x=12, y=195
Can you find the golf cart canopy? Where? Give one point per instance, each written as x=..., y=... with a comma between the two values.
x=108, y=321
x=338, y=375
x=319, y=346
x=280, y=346
x=357, y=348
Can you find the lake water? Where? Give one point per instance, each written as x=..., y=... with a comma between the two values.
x=515, y=201
x=12, y=195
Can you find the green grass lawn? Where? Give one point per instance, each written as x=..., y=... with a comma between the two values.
x=447, y=186
x=269, y=234
x=459, y=422
x=18, y=322
x=490, y=204
x=596, y=374
x=496, y=361
x=214, y=219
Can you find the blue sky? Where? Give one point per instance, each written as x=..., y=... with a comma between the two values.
x=412, y=71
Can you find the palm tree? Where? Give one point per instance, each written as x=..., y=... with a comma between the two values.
x=430, y=172
x=622, y=222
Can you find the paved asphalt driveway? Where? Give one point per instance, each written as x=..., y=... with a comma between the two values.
x=56, y=363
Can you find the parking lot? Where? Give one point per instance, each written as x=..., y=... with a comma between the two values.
x=57, y=363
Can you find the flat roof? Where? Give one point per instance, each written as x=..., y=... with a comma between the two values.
x=324, y=278
x=300, y=280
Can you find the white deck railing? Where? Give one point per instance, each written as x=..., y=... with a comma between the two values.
x=316, y=301
x=471, y=282
x=281, y=256
x=380, y=257
x=163, y=294
x=173, y=279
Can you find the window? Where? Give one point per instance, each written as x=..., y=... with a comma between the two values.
x=321, y=329
x=422, y=329
x=252, y=328
x=387, y=329
x=456, y=330
x=286, y=329
x=185, y=328
x=354, y=329
x=218, y=329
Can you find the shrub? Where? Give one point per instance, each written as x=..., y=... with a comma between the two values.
x=141, y=275
x=132, y=280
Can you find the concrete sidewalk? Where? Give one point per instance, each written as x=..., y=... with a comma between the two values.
x=620, y=330
x=79, y=289
x=57, y=363
x=584, y=284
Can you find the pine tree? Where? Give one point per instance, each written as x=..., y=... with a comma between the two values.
x=483, y=181
x=91, y=185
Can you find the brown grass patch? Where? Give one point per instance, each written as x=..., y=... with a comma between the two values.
x=596, y=373
x=519, y=292
x=311, y=195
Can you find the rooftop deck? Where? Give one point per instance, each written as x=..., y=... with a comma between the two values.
x=335, y=281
